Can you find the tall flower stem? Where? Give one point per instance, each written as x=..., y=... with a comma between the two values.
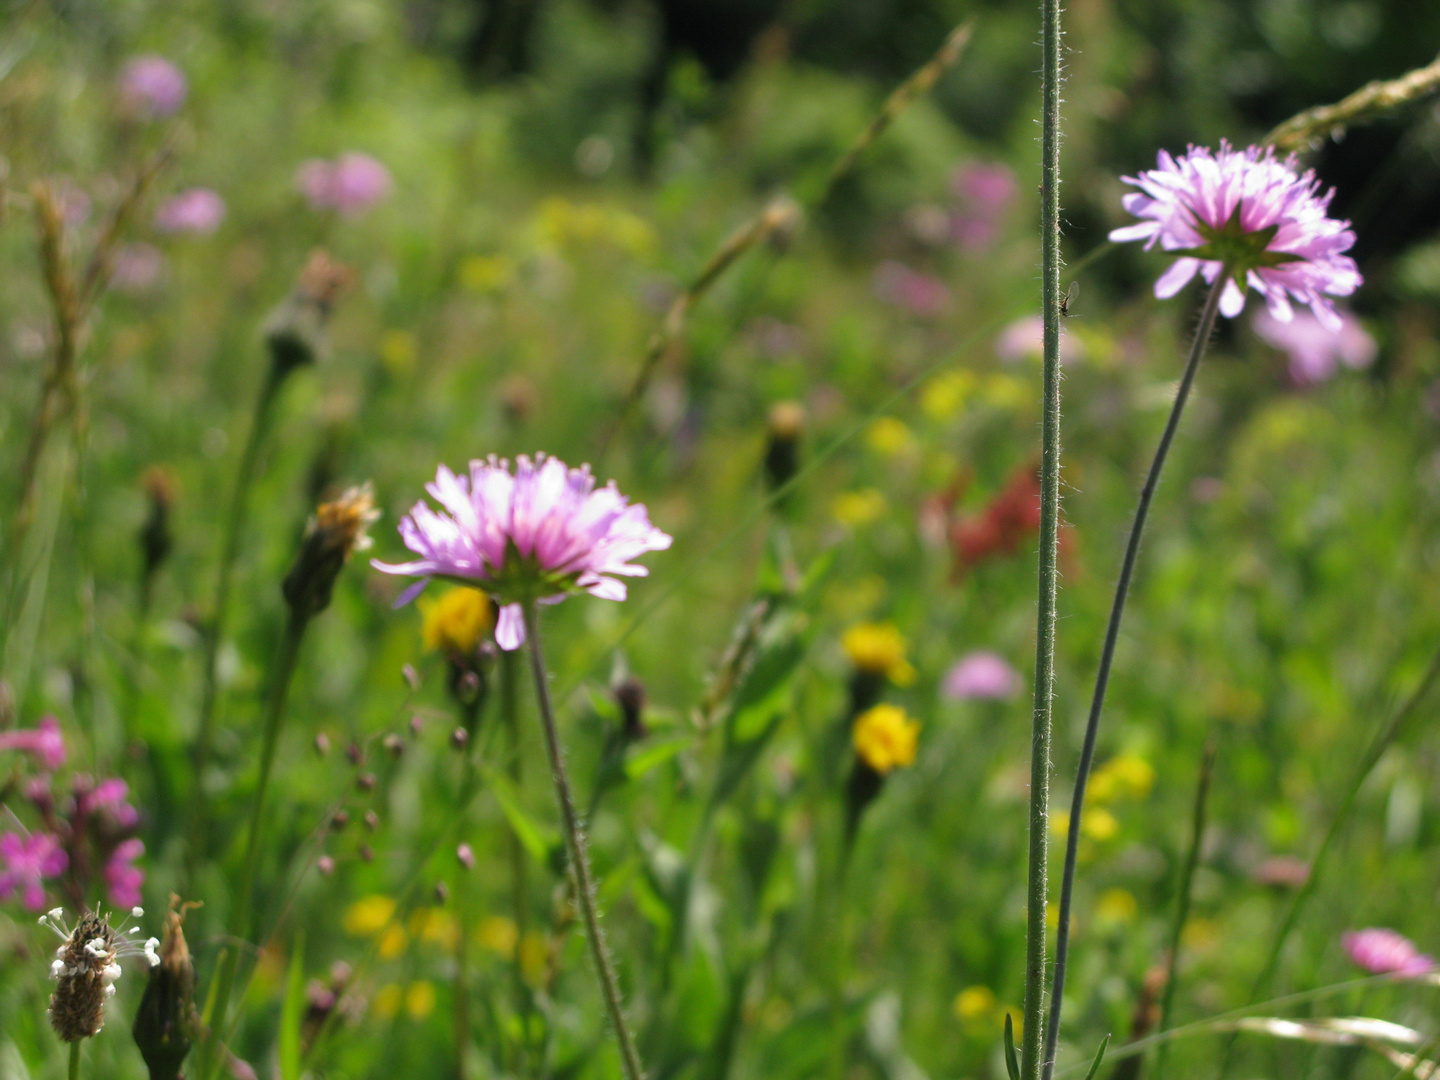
x=509, y=677
x=74, y=1072
x=1037, y=884
x=579, y=860
x=240, y=918
x=1107, y=656
x=1182, y=902
x=215, y=629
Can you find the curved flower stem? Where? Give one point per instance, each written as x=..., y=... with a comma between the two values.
x=579, y=860
x=1107, y=657
x=240, y=919
x=224, y=574
x=1038, y=854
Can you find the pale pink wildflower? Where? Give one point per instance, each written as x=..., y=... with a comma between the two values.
x=198, y=210
x=541, y=533
x=982, y=675
x=348, y=185
x=152, y=86
x=1385, y=952
x=1250, y=213
x=1316, y=352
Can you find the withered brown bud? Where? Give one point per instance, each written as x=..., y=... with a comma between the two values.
x=785, y=427
x=630, y=696
x=356, y=753
x=166, y=1023
x=394, y=744
x=365, y=781
x=295, y=331
x=155, y=537
x=459, y=739
x=336, y=530
x=367, y=854
x=442, y=892
x=340, y=821
x=372, y=820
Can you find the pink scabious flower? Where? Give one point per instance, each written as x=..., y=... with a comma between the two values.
x=1315, y=351
x=1249, y=214
x=24, y=864
x=1386, y=952
x=44, y=741
x=1025, y=337
x=537, y=535
x=152, y=86
x=123, y=880
x=198, y=210
x=982, y=675
x=984, y=190
x=348, y=185
x=919, y=293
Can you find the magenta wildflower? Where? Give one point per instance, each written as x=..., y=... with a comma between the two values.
x=348, y=185
x=198, y=210
x=1252, y=215
x=982, y=675
x=536, y=535
x=152, y=86
x=24, y=864
x=984, y=190
x=123, y=880
x=1386, y=952
x=44, y=741
x=108, y=796
x=1316, y=352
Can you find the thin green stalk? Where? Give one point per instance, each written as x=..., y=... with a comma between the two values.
x=214, y=631
x=579, y=860
x=75, y=1059
x=509, y=676
x=1107, y=656
x=1037, y=890
x=1378, y=745
x=1182, y=900
x=240, y=920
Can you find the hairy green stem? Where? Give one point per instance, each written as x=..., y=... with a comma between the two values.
x=1037, y=883
x=215, y=629
x=1182, y=900
x=579, y=860
x=1107, y=657
x=240, y=920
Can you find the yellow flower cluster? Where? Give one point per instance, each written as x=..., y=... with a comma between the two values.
x=454, y=623
x=885, y=738
x=878, y=649
x=375, y=915
x=559, y=222
x=1127, y=776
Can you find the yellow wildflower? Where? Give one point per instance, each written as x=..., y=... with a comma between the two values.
x=1116, y=907
x=498, y=934
x=534, y=958
x=434, y=925
x=487, y=273
x=1099, y=824
x=420, y=999
x=890, y=437
x=386, y=1002
x=944, y=395
x=1125, y=776
x=393, y=942
x=974, y=1003
x=454, y=623
x=399, y=351
x=368, y=915
x=878, y=649
x=858, y=507
x=885, y=737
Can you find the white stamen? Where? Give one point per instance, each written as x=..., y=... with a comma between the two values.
x=110, y=973
x=137, y=911
x=57, y=968
x=96, y=947
x=150, y=953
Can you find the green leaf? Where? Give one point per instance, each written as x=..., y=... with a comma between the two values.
x=651, y=754
x=539, y=841
x=1012, y=1064
x=1099, y=1057
x=292, y=1011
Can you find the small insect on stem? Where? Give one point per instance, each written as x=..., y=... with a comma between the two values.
x=1069, y=297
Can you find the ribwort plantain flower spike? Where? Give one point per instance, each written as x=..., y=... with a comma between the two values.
x=1252, y=215
x=535, y=535
x=85, y=969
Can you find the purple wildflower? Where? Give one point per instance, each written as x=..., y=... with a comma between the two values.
x=44, y=741
x=348, y=185
x=984, y=190
x=539, y=534
x=1386, y=952
x=1025, y=337
x=1315, y=351
x=109, y=796
x=24, y=864
x=919, y=293
x=137, y=270
x=983, y=675
x=1253, y=216
x=123, y=880
x=198, y=210
x=152, y=86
